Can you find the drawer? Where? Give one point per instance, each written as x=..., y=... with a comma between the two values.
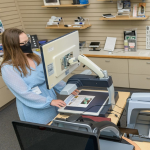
x=111, y=64
x=139, y=81
x=2, y=84
x=139, y=67
x=5, y=96
x=120, y=80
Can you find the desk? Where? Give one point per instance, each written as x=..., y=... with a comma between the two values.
x=143, y=145
x=121, y=103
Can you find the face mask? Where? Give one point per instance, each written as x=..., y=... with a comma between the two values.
x=26, y=48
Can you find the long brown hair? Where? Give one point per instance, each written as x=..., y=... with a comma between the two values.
x=13, y=54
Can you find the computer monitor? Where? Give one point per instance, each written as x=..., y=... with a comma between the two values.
x=94, y=45
x=54, y=56
x=43, y=137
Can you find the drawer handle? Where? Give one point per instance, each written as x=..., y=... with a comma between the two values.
x=148, y=78
x=107, y=60
x=148, y=62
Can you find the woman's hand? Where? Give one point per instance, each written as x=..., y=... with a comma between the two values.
x=75, y=92
x=58, y=103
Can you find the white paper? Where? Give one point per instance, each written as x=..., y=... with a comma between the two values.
x=80, y=101
x=36, y=90
x=143, y=53
x=110, y=43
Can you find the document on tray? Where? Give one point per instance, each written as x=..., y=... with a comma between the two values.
x=79, y=100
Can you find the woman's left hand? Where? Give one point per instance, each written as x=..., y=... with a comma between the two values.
x=75, y=92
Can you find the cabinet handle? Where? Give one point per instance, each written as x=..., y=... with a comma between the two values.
x=107, y=60
x=148, y=78
x=148, y=62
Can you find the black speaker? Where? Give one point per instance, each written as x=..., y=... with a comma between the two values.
x=75, y=2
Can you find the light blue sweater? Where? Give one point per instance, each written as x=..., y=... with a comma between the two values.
x=32, y=107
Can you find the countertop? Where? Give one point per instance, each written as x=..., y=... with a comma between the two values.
x=117, y=53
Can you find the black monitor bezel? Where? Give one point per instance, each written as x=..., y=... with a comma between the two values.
x=34, y=125
x=98, y=44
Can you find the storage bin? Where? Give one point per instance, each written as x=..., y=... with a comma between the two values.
x=84, y=1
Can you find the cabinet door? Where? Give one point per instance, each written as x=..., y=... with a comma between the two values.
x=112, y=64
x=5, y=96
x=139, y=81
x=120, y=80
x=2, y=84
x=139, y=67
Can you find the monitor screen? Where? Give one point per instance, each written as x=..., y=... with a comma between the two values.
x=40, y=137
x=94, y=44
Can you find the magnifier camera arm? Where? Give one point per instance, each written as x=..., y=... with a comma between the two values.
x=86, y=61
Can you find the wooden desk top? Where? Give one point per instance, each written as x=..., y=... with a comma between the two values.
x=117, y=53
x=143, y=145
x=121, y=103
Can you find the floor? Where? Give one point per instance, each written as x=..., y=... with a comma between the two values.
x=8, y=140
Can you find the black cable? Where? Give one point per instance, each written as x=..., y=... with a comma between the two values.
x=120, y=107
x=118, y=112
x=114, y=114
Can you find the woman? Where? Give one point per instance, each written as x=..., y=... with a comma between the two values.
x=23, y=73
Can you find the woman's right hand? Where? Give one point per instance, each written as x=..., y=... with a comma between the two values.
x=58, y=103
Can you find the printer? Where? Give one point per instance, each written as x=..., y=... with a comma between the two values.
x=135, y=104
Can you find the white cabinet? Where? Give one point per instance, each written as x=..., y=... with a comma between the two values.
x=5, y=96
x=141, y=67
x=2, y=84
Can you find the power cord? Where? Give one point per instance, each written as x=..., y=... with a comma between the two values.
x=114, y=114
x=120, y=107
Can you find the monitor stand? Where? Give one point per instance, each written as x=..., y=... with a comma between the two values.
x=94, y=49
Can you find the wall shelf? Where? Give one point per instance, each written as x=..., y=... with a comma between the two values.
x=66, y=28
x=67, y=5
x=125, y=18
